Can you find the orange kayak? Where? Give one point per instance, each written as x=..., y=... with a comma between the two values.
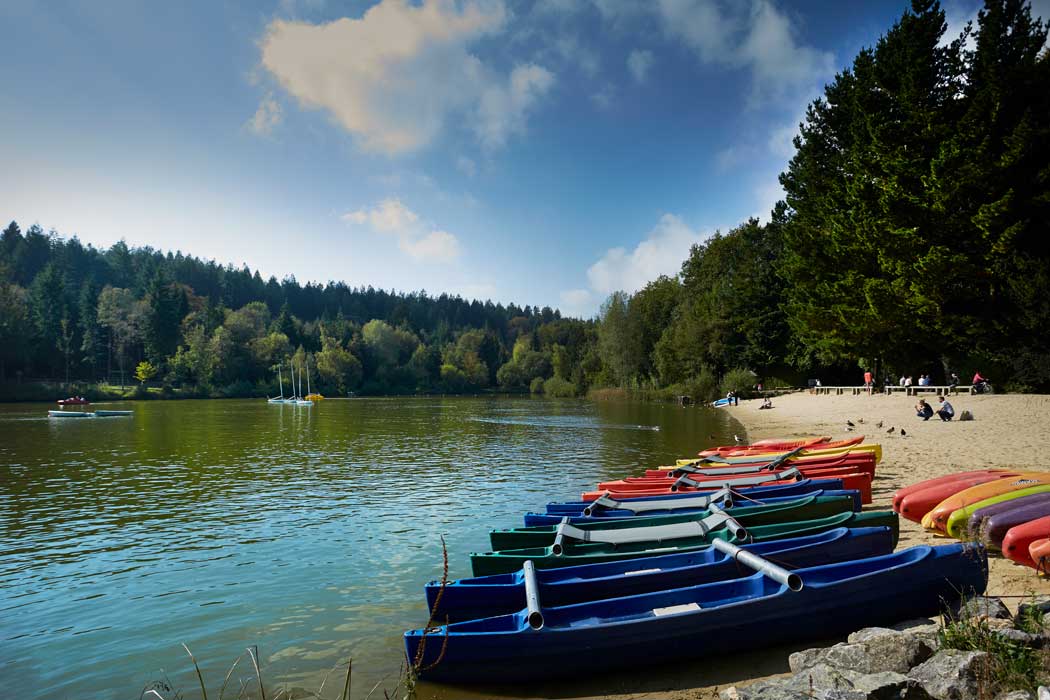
x=919, y=502
x=1018, y=541
x=780, y=446
x=1039, y=551
x=937, y=519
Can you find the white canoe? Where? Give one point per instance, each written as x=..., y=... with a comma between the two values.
x=70, y=414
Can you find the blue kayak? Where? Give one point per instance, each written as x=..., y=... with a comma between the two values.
x=500, y=594
x=661, y=505
x=710, y=619
x=797, y=488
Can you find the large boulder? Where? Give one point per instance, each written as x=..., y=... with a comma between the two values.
x=953, y=675
x=823, y=682
x=1016, y=695
x=871, y=650
x=982, y=608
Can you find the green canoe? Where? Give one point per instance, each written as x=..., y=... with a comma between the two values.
x=803, y=508
x=576, y=552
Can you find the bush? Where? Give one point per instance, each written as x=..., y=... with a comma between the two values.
x=536, y=385
x=559, y=388
x=703, y=387
x=739, y=381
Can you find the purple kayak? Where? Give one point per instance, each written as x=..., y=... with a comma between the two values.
x=977, y=519
x=996, y=527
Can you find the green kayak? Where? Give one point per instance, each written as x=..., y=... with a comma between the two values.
x=803, y=508
x=574, y=551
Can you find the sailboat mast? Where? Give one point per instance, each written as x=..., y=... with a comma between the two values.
x=280, y=381
x=308, y=392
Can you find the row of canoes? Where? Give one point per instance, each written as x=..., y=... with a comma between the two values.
x=1004, y=509
x=723, y=555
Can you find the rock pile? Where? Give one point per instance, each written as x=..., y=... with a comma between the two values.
x=903, y=662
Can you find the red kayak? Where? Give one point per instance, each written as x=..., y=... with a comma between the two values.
x=920, y=485
x=862, y=461
x=851, y=479
x=780, y=446
x=1018, y=540
x=918, y=503
x=73, y=401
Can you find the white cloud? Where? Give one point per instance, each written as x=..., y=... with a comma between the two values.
x=396, y=75
x=569, y=49
x=639, y=62
x=603, y=98
x=418, y=239
x=503, y=108
x=266, y=117
x=780, y=141
x=466, y=166
x=755, y=37
x=661, y=253
x=577, y=302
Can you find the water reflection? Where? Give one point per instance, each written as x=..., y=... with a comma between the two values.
x=307, y=531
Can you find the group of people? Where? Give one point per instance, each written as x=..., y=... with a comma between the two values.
x=925, y=411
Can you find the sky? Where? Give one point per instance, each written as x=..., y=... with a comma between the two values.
x=544, y=153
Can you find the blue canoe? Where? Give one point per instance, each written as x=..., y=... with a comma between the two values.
x=693, y=503
x=797, y=488
x=500, y=594
x=713, y=618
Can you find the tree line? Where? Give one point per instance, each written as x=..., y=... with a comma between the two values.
x=913, y=239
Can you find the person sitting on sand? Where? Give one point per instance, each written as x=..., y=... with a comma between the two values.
x=946, y=412
x=768, y=403
x=923, y=410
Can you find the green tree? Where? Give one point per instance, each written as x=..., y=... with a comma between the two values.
x=145, y=371
x=337, y=366
x=616, y=343
x=121, y=315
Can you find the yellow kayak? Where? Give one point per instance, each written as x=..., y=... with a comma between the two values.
x=769, y=456
x=956, y=526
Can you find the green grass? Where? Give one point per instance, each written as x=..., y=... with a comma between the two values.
x=1014, y=666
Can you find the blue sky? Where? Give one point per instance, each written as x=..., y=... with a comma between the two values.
x=544, y=153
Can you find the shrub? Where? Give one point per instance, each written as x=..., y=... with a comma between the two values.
x=560, y=388
x=703, y=387
x=536, y=385
x=739, y=381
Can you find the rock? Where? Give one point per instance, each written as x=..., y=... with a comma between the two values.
x=763, y=690
x=984, y=607
x=952, y=674
x=822, y=677
x=1038, y=608
x=823, y=682
x=1035, y=641
x=1016, y=695
x=890, y=686
x=1044, y=693
x=920, y=625
x=871, y=650
x=966, y=415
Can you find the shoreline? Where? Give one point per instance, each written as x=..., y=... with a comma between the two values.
x=1008, y=430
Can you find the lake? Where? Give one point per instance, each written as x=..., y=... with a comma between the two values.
x=306, y=531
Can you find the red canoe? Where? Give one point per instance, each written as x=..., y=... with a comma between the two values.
x=1039, y=550
x=920, y=485
x=864, y=461
x=73, y=401
x=851, y=479
x=780, y=446
x=1018, y=540
x=918, y=503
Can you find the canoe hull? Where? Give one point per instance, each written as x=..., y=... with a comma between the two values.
x=728, y=616
x=1018, y=540
x=937, y=519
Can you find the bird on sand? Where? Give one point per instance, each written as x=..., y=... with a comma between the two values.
x=860, y=420
x=737, y=438
x=903, y=432
x=879, y=424
x=849, y=430
x=891, y=430
x=849, y=422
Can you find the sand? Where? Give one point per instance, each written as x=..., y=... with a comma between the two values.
x=1007, y=431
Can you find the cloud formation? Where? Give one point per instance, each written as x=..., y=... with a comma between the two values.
x=661, y=253
x=394, y=77
x=639, y=62
x=754, y=36
x=266, y=117
x=419, y=240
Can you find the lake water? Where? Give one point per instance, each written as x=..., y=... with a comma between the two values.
x=306, y=531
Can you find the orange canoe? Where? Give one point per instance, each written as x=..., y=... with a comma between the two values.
x=937, y=519
x=1018, y=540
x=920, y=485
x=920, y=502
x=1039, y=551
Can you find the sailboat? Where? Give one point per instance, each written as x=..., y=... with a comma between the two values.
x=280, y=380
x=306, y=401
x=309, y=394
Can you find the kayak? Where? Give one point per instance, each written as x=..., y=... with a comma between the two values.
x=70, y=414
x=955, y=525
x=937, y=519
x=1039, y=551
x=795, y=488
x=103, y=414
x=1017, y=543
x=708, y=619
x=802, y=452
x=996, y=527
x=73, y=401
x=917, y=503
x=689, y=503
x=860, y=481
x=858, y=463
x=805, y=508
x=922, y=485
x=485, y=596
x=975, y=526
x=645, y=542
x=773, y=444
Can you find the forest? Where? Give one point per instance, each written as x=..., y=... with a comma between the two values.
x=914, y=238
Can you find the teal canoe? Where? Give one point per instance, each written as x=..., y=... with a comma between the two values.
x=803, y=508
x=574, y=551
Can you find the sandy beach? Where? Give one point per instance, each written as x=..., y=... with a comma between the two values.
x=1007, y=431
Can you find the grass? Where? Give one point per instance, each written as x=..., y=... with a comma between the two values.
x=1014, y=666
x=403, y=688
